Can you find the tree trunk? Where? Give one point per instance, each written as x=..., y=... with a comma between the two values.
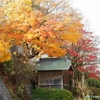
x=83, y=79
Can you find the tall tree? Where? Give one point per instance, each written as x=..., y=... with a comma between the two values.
x=31, y=30
x=44, y=32
x=84, y=57
x=85, y=52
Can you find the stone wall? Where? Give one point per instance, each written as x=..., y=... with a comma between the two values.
x=4, y=93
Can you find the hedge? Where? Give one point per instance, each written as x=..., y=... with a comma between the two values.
x=51, y=94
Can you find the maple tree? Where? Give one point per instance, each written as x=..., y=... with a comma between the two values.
x=84, y=56
x=31, y=29
x=23, y=25
x=84, y=52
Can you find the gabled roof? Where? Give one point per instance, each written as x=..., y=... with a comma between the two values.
x=53, y=64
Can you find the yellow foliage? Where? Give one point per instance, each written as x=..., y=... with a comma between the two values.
x=72, y=37
x=48, y=33
x=17, y=11
x=28, y=2
x=4, y=51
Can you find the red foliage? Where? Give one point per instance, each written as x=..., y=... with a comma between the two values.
x=93, y=72
x=70, y=72
x=72, y=53
x=93, y=75
x=91, y=68
x=81, y=69
x=85, y=51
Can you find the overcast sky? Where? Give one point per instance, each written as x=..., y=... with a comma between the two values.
x=91, y=11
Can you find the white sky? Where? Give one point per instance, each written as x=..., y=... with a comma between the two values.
x=91, y=11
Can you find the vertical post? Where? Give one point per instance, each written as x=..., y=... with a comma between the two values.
x=62, y=82
x=73, y=81
x=83, y=79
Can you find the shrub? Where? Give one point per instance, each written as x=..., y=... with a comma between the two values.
x=51, y=94
x=93, y=82
x=9, y=67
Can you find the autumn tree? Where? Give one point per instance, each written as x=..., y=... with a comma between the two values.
x=45, y=32
x=84, y=57
x=32, y=28
x=85, y=52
